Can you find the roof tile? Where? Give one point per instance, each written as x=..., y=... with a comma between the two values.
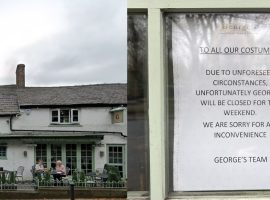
x=11, y=97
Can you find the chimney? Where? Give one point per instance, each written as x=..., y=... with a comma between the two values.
x=20, y=76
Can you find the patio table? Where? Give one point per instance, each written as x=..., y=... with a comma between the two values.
x=57, y=175
x=91, y=174
x=99, y=177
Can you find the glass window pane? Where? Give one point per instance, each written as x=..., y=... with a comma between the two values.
x=115, y=158
x=227, y=36
x=56, y=153
x=3, y=151
x=55, y=116
x=41, y=153
x=71, y=157
x=75, y=116
x=138, y=161
x=86, y=157
x=64, y=116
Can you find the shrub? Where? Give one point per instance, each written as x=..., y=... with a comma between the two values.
x=3, y=178
x=75, y=176
x=12, y=178
x=82, y=176
x=47, y=176
x=113, y=173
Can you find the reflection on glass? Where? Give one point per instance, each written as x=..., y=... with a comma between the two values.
x=64, y=116
x=196, y=44
x=138, y=150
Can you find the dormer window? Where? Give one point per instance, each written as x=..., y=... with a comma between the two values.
x=65, y=116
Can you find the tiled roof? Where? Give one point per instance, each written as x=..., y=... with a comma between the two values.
x=109, y=94
x=8, y=100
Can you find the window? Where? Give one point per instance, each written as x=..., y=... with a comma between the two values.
x=75, y=115
x=56, y=153
x=138, y=134
x=71, y=158
x=3, y=151
x=116, y=157
x=55, y=116
x=86, y=158
x=65, y=116
x=193, y=147
x=41, y=153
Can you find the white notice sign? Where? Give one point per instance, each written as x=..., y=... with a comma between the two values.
x=221, y=67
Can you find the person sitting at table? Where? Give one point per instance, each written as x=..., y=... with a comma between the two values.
x=60, y=170
x=39, y=167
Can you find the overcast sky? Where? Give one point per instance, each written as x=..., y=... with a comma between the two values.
x=63, y=42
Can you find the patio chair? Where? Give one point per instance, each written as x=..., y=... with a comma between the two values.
x=101, y=175
x=67, y=171
x=67, y=177
x=32, y=170
x=19, y=173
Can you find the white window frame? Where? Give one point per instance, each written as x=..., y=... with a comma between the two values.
x=58, y=117
x=123, y=164
x=70, y=116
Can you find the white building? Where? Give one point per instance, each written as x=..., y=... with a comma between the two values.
x=84, y=126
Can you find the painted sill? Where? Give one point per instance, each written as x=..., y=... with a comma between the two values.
x=65, y=125
x=218, y=195
x=3, y=158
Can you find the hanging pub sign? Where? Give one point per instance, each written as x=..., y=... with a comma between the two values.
x=221, y=74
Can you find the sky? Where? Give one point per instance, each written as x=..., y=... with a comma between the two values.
x=63, y=42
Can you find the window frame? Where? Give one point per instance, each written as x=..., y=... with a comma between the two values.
x=87, y=170
x=3, y=157
x=58, y=116
x=72, y=115
x=158, y=111
x=123, y=158
x=71, y=121
x=70, y=147
x=44, y=157
x=54, y=148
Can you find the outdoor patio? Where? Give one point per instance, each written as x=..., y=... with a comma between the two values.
x=106, y=183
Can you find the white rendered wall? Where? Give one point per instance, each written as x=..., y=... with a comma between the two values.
x=4, y=125
x=109, y=139
x=91, y=119
x=16, y=158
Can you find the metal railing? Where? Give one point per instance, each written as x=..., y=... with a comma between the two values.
x=7, y=186
x=43, y=183
x=80, y=184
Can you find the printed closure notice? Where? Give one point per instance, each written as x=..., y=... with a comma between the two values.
x=221, y=66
